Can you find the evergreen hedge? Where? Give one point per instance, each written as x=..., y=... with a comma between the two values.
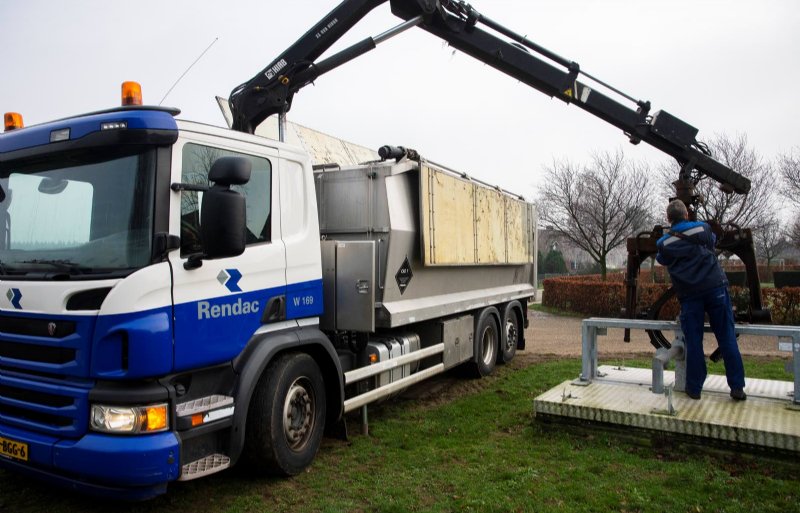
x=590, y=296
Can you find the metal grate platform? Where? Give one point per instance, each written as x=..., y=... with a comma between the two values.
x=203, y=405
x=209, y=465
x=622, y=396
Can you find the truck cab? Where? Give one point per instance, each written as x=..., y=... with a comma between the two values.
x=111, y=314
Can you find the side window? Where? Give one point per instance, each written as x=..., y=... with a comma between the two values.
x=196, y=163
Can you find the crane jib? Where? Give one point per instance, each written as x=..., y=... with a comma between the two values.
x=271, y=91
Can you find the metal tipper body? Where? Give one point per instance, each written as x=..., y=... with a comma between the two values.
x=432, y=243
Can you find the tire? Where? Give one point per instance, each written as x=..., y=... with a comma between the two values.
x=286, y=417
x=486, y=342
x=510, y=333
x=657, y=338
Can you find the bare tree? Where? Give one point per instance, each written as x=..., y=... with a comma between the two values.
x=743, y=210
x=195, y=171
x=769, y=239
x=599, y=205
x=793, y=232
x=789, y=167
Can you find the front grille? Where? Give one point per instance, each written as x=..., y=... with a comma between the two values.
x=42, y=354
x=48, y=406
x=44, y=369
x=34, y=416
x=36, y=327
x=29, y=396
x=56, y=346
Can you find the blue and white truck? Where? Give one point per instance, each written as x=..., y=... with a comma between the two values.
x=153, y=328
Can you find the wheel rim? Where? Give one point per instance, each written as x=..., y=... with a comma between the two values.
x=489, y=341
x=298, y=414
x=511, y=335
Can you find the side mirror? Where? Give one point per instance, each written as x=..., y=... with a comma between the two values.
x=50, y=185
x=224, y=213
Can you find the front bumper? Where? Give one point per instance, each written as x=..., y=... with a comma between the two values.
x=126, y=467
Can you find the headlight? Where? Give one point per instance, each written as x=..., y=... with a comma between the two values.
x=129, y=419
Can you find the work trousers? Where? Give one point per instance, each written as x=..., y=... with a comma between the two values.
x=717, y=303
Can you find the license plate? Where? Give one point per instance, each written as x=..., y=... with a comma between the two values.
x=13, y=449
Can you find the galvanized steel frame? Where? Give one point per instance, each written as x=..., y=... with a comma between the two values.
x=788, y=340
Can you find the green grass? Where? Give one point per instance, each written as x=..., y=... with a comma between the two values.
x=478, y=448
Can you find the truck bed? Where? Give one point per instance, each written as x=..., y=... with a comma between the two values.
x=429, y=243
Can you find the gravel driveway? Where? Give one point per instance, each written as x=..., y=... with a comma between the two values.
x=561, y=336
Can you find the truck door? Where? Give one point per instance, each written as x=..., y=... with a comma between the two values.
x=218, y=306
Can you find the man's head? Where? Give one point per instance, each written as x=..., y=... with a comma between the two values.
x=676, y=211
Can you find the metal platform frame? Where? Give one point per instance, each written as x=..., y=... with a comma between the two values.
x=788, y=340
x=643, y=399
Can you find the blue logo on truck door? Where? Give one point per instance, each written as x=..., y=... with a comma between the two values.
x=230, y=278
x=14, y=295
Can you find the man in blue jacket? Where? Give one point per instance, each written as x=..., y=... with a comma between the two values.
x=701, y=286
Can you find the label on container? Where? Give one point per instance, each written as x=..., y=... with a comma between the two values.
x=404, y=276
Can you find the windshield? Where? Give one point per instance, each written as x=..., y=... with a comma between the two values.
x=77, y=215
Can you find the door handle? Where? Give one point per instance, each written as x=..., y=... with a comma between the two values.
x=275, y=310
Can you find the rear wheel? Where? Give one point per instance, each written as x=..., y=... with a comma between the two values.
x=511, y=333
x=486, y=342
x=286, y=417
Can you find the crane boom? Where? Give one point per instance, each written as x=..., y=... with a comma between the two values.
x=271, y=91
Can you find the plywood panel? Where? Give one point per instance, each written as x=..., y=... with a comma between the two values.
x=469, y=223
x=491, y=225
x=520, y=227
x=450, y=218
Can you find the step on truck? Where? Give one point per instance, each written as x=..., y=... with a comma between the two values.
x=179, y=297
x=154, y=328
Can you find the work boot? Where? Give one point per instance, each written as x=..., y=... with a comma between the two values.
x=695, y=395
x=738, y=395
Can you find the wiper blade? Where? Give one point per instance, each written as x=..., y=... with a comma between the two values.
x=62, y=265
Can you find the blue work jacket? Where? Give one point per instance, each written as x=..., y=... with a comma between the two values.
x=692, y=264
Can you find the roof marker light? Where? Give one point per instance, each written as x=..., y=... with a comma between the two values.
x=131, y=93
x=113, y=125
x=12, y=121
x=59, y=135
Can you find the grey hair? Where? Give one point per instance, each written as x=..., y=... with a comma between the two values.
x=676, y=211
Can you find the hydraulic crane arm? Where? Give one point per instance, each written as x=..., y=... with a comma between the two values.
x=271, y=90
x=456, y=22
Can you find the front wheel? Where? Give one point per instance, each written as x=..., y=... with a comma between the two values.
x=286, y=417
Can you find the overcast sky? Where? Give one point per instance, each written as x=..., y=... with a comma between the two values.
x=724, y=66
